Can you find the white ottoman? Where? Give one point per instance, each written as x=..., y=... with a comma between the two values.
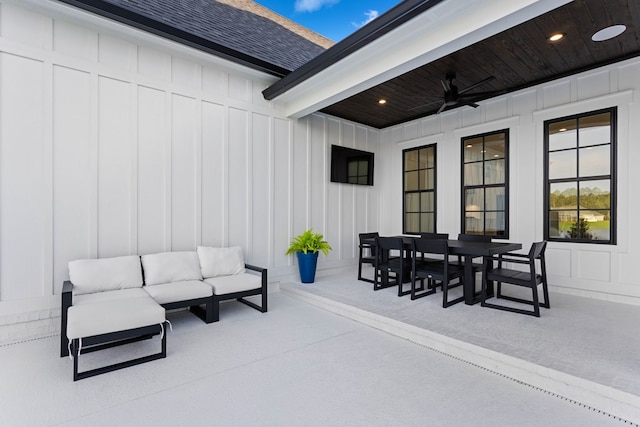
x=100, y=325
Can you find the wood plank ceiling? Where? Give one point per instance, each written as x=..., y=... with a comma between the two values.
x=512, y=60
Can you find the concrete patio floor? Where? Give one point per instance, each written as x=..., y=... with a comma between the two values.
x=583, y=349
x=336, y=353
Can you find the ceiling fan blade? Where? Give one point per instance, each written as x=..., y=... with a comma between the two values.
x=481, y=94
x=455, y=98
x=475, y=85
x=423, y=105
x=421, y=97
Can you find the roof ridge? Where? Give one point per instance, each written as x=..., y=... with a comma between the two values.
x=258, y=9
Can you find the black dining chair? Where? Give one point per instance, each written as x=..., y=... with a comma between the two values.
x=475, y=237
x=438, y=270
x=433, y=236
x=390, y=259
x=367, y=253
x=530, y=278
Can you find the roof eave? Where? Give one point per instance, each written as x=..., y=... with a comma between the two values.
x=403, y=12
x=125, y=16
x=388, y=50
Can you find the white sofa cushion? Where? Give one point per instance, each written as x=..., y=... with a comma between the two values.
x=170, y=267
x=223, y=285
x=216, y=262
x=106, y=274
x=179, y=291
x=111, y=316
x=98, y=297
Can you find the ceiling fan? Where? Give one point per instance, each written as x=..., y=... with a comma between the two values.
x=454, y=97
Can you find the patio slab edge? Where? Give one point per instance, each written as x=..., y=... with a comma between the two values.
x=613, y=402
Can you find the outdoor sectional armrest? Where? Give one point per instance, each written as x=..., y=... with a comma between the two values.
x=67, y=287
x=66, y=302
x=240, y=296
x=255, y=268
x=263, y=274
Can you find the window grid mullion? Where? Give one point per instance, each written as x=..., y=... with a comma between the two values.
x=484, y=186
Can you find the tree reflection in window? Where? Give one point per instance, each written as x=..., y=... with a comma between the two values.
x=580, y=177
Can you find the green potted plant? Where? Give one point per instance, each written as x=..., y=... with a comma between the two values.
x=307, y=246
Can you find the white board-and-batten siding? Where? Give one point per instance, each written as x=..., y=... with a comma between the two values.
x=115, y=142
x=593, y=270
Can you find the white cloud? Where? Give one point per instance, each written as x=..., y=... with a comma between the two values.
x=313, y=5
x=370, y=14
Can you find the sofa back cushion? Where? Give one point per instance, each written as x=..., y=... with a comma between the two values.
x=220, y=261
x=106, y=274
x=170, y=267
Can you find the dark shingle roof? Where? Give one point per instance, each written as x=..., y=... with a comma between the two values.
x=239, y=30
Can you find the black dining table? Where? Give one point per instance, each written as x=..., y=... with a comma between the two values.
x=469, y=250
x=472, y=249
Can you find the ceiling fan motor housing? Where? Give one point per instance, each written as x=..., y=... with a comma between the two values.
x=451, y=96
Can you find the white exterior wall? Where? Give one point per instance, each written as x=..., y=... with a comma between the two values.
x=116, y=142
x=600, y=271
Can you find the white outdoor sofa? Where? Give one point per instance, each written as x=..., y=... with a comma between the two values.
x=113, y=301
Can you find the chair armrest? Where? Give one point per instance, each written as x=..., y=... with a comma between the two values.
x=512, y=254
x=509, y=257
x=516, y=260
x=521, y=259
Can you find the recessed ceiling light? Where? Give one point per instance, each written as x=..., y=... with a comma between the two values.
x=382, y=101
x=556, y=37
x=608, y=33
x=469, y=146
x=562, y=130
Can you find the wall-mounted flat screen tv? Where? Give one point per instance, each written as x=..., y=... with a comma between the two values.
x=351, y=166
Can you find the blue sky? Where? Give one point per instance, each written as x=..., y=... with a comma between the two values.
x=334, y=19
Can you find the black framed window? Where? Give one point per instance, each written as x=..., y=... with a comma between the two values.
x=485, y=189
x=580, y=177
x=419, y=189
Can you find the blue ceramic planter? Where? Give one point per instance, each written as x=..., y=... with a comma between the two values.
x=307, y=264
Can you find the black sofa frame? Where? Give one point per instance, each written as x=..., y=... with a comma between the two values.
x=194, y=306
x=99, y=342
x=103, y=341
x=239, y=296
x=209, y=314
